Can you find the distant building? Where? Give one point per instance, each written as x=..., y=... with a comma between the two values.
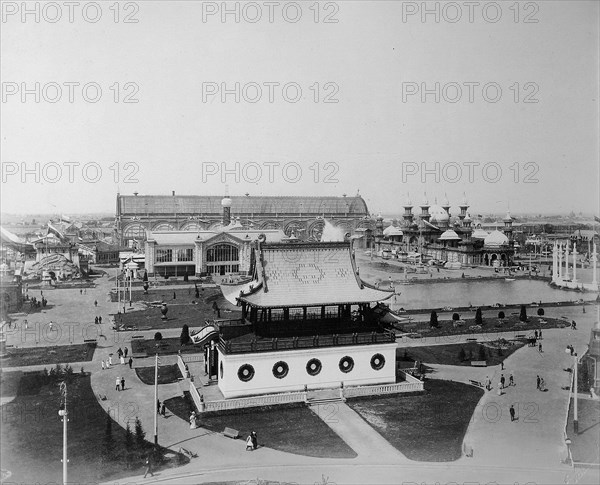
x=100, y=252
x=592, y=356
x=436, y=234
x=11, y=295
x=303, y=216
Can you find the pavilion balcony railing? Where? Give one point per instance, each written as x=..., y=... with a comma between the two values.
x=292, y=343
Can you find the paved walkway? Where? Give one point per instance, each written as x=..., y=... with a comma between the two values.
x=504, y=452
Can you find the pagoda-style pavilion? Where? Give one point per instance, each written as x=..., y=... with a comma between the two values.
x=308, y=322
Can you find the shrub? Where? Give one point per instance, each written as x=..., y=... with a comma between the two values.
x=455, y=317
x=540, y=312
x=482, y=353
x=433, y=319
x=478, y=317
x=501, y=315
x=500, y=352
x=158, y=336
x=523, y=315
x=184, y=339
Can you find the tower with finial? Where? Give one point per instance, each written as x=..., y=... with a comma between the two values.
x=446, y=204
x=425, y=209
x=464, y=205
x=408, y=215
x=508, y=223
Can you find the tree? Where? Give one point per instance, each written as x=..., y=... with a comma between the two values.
x=158, y=336
x=478, y=317
x=140, y=434
x=540, y=312
x=462, y=355
x=523, y=315
x=455, y=317
x=433, y=319
x=128, y=445
x=184, y=339
x=501, y=315
x=108, y=442
x=481, y=352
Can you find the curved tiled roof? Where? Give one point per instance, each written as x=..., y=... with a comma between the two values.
x=211, y=204
x=293, y=275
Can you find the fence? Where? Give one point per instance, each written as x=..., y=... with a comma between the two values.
x=383, y=389
x=199, y=357
x=196, y=397
x=246, y=402
x=182, y=367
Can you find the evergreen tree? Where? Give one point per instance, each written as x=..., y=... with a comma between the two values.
x=523, y=315
x=540, y=312
x=501, y=315
x=433, y=319
x=128, y=446
x=108, y=442
x=140, y=434
x=478, y=317
x=455, y=317
x=184, y=339
x=462, y=355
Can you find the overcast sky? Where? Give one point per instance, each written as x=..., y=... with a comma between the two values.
x=375, y=60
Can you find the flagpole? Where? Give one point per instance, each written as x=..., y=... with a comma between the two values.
x=63, y=413
x=156, y=400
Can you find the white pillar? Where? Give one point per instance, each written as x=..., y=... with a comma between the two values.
x=560, y=251
x=574, y=264
x=566, y=274
x=595, y=270
x=554, y=263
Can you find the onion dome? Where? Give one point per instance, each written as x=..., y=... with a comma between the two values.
x=479, y=234
x=495, y=239
x=226, y=201
x=425, y=200
x=446, y=202
x=467, y=218
x=464, y=202
x=380, y=217
x=408, y=202
x=438, y=214
x=392, y=231
x=449, y=235
x=508, y=218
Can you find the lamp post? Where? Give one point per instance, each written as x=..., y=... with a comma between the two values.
x=156, y=400
x=63, y=412
x=575, y=414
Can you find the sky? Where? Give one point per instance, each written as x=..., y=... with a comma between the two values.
x=301, y=98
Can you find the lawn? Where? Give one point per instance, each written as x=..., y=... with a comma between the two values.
x=32, y=435
x=60, y=354
x=166, y=346
x=167, y=374
x=490, y=325
x=424, y=427
x=584, y=446
x=452, y=355
x=184, y=309
x=292, y=428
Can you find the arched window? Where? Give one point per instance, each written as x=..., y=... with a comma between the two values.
x=222, y=252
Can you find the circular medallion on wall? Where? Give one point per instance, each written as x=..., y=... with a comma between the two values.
x=221, y=370
x=313, y=367
x=280, y=369
x=377, y=361
x=245, y=372
x=346, y=364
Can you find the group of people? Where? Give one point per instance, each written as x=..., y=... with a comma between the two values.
x=120, y=382
x=252, y=441
x=161, y=408
x=98, y=320
x=511, y=382
x=107, y=364
x=541, y=385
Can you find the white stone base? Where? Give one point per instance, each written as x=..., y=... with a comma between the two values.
x=331, y=376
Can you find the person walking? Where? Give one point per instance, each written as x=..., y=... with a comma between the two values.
x=254, y=440
x=249, y=444
x=512, y=412
x=540, y=334
x=110, y=360
x=130, y=362
x=488, y=383
x=511, y=380
x=80, y=291
x=118, y=384
x=163, y=410
x=502, y=365
x=535, y=334
x=95, y=320
x=540, y=347
x=122, y=383
x=119, y=352
x=158, y=406
x=502, y=381
x=100, y=319
x=125, y=350
x=148, y=467
x=95, y=302
x=538, y=381
x=103, y=364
